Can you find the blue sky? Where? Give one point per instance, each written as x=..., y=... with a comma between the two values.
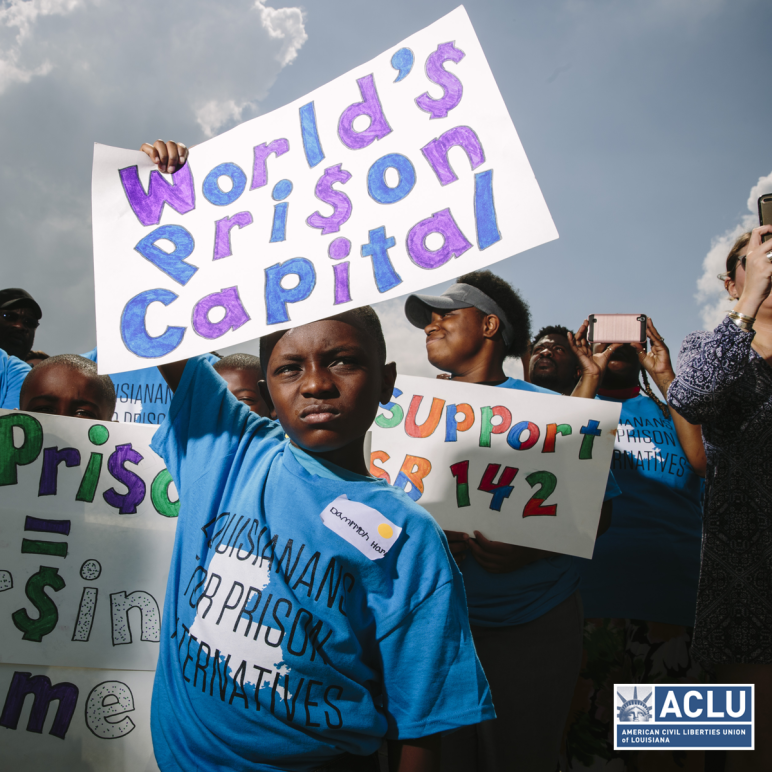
x=647, y=125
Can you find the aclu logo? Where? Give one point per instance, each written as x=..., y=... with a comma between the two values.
x=687, y=717
x=634, y=709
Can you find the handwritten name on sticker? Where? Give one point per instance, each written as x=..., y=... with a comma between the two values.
x=361, y=526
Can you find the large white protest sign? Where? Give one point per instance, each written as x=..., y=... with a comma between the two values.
x=87, y=519
x=403, y=173
x=518, y=466
x=76, y=719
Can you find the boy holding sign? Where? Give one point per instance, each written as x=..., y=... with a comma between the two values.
x=311, y=610
x=525, y=610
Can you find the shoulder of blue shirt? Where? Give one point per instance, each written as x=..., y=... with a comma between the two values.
x=92, y=355
x=12, y=374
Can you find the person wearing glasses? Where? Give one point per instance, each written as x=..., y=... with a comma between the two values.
x=724, y=382
x=19, y=318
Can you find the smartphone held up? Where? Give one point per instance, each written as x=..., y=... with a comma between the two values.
x=765, y=213
x=617, y=328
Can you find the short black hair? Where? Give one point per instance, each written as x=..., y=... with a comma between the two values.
x=550, y=329
x=238, y=362
x=106, y=388
x=364, y=317
x=509, y=300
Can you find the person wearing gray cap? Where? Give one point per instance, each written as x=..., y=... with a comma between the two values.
x=524, y=608
x=19, y=318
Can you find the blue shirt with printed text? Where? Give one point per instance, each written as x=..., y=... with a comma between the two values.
x=647, y=564
x=499, y=600
x=284, y=646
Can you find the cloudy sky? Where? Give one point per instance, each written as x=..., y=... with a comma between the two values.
x=648, y=124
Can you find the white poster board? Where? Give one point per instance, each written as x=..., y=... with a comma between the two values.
x=403, y=173
x=87, y=520
x=518, y=466
x=76, y=719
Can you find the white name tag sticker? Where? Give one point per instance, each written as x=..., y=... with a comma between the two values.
x=362, y=526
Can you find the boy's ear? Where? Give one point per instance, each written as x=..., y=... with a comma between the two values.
x=388, y=379
x=266, y=395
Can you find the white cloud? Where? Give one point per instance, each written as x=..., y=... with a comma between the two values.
x=710, y=291
x=17, y=20
x=73, y=72
x=286, y=25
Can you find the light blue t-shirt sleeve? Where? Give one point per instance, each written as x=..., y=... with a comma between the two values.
x=612, y=489
x=434, y=682
x=205, y=424
x=12, y=374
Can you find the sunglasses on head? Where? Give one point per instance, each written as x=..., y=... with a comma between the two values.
x=14, y=317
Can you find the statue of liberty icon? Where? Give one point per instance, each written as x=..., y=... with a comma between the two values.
x=635, y=710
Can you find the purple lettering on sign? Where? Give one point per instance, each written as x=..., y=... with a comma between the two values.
x=339, y=248
x=222, y=233
x=179, y=194
x=262, y=152
x=125, y=503
x=44, y=693
x=52, y=457
x=342, y=288
x=451, y=85
x=235, y=315
x=455, y=243
x=436, y=152
x=340, y=202
x=369, y=106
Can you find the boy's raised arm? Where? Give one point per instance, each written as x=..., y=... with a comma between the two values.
x=172, y=373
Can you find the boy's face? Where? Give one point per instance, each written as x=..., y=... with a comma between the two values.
x=60, y=390
x=454, y=338
x=325, y=380
x=243, y=385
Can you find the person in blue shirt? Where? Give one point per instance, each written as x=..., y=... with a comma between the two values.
x=12, y=374
x=311, y=611
x=640, y=588
x=69, y=385
x=524, y=608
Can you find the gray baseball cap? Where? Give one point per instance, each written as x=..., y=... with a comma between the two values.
x=418, y=308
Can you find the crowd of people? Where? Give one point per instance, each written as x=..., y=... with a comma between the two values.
x=451, y=652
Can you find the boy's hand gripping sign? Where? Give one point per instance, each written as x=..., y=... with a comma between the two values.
x=518, y=466
x=401, y=174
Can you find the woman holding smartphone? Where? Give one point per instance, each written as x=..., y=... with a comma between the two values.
x=724, y=382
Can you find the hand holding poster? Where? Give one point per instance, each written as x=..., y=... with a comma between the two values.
x=520, y=467
x=403, y=173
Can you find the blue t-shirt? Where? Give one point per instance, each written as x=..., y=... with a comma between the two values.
x=283, y=645
x=498, y=600
x=142, y=396
x=12, y=374
x=647, y=564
